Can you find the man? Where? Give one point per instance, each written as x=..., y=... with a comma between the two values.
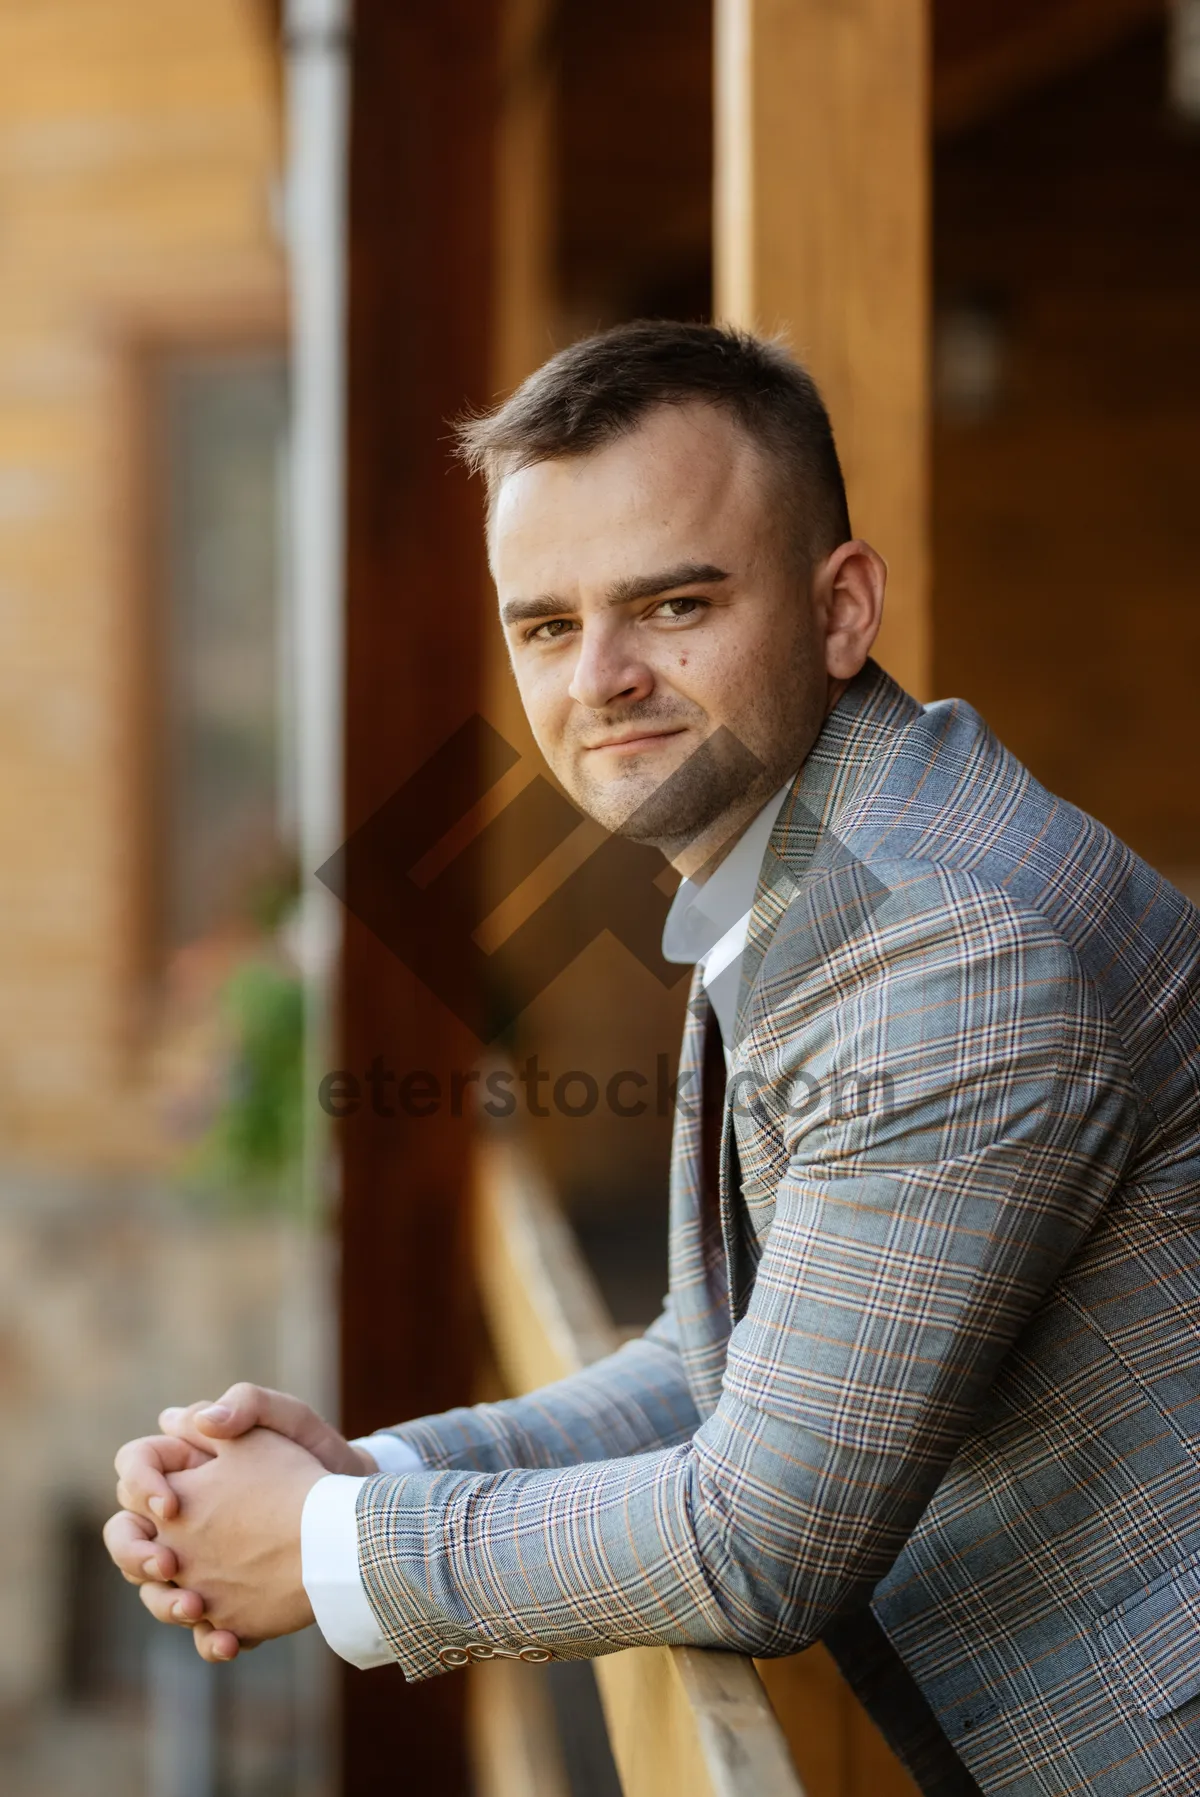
x=926, y=1384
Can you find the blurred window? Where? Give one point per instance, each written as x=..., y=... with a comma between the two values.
x=224, y=635
x=970, y=355
x=1184, y=59
x=104, y=1636
x=234, y=1729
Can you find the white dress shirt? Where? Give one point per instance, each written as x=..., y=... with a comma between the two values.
x=329, y=1554
x=707, y=924
x=707, y=927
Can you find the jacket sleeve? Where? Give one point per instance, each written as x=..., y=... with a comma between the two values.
x=909, y=1246
x=628, y=1402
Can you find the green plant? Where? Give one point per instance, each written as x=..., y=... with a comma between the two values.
x=250, y=1157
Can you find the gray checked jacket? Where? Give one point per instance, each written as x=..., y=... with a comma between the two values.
x=927, y=1383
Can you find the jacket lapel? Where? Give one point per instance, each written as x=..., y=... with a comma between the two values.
x=712, y=1266
x=855, y=735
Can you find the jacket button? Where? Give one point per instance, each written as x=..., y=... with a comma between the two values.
x=454, y=1656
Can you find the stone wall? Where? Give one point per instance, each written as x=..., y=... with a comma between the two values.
x=115, y=1300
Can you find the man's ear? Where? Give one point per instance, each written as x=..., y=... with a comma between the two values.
x=848, y=591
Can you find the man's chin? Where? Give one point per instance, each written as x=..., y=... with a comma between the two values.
x=619, y=804
x=647, y=811
x=670, y=803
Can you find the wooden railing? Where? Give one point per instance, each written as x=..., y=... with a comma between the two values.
x=686, y=1721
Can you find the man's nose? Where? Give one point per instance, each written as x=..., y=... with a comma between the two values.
x=608, y=670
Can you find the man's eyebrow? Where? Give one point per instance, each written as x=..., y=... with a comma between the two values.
x=622, y=592
x=646, y=586
x=516, y=611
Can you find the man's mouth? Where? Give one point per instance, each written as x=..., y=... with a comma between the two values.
x=630, y=742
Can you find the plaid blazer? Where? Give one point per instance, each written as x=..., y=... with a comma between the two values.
x=927, y=1385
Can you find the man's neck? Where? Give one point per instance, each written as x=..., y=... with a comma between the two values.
x=702, y=856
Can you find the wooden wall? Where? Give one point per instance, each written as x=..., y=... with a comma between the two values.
x=1066, y=526
x=138, y=156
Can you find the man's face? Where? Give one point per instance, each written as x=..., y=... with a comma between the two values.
x=650, y=596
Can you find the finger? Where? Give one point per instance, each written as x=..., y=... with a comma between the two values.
x=142, y=1468
x=217, y=1646
x=138, y=1556
x=167, y=1604
x=246, y=1406
x=180, y=1420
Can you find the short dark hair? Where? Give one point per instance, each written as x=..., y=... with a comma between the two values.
x=593, y=392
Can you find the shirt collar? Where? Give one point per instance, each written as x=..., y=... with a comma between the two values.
x=858, y=729
x=702, y=915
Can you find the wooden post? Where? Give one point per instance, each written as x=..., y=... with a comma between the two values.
x=421, y=224
x=524, y=292
x=822, y=230
x=524, y=297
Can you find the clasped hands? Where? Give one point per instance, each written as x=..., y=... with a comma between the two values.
x=209, y=1528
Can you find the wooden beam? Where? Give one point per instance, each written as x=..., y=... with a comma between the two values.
x=692, y=1722
x=682, y=1722
x=525, y=193
x=421, y=224
x=822, y=230
x=515, y=1749
x=987, y=55
x=545, y=1314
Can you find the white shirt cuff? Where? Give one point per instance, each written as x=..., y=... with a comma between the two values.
x=329, y=1568
x=390, y=1454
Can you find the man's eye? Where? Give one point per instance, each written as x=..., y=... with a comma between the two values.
x=551, y=629
x=679, y=608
